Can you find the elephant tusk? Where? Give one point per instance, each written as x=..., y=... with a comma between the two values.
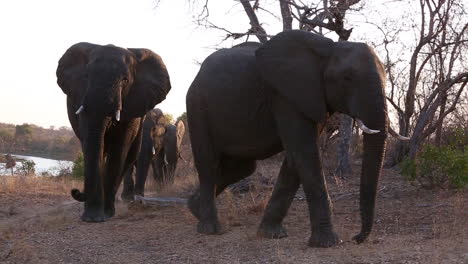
x=154, y=151
x=395, y=134
x=165, y=160
x=117, y=115
x=366, y=129
x=79, y=110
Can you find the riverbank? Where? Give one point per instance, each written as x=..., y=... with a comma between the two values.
x=41, y=165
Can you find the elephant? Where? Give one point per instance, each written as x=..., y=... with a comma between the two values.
x=254, y=100
x=109, y=90
x=160, y=148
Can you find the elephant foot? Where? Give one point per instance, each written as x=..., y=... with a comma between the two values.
x=210, y=228
x=93, y=216
x=109, y=212
x=324, y=239
x=193, y=204
x=276, y=231
x=127, y=197
x=361, y=237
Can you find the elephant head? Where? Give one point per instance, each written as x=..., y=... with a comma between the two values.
x=107, y=89
x=158, y=131
x=318, y=76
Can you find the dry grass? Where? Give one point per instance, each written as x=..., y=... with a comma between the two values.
x=412, y=225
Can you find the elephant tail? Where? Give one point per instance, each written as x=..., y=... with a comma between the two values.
x=77, y=195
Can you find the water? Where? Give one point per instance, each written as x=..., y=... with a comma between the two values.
x=42, y=165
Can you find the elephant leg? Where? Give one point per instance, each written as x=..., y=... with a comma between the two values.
x=207, y=212
x=207, y=162
x=283, y=194
x=158, y=169
x=142, y=170
x=299, y=137
x=121, y=159
x=232, y=171
x=128, y=192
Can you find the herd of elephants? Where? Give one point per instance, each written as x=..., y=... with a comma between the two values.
x=246, y=103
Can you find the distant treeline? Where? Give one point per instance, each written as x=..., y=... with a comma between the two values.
x=29, y=139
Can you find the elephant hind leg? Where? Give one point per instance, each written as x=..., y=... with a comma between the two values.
x=207, y=161
x=129, y=186
x=232, y=171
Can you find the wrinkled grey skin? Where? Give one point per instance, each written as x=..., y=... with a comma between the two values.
x=250, y=102
x=160, y=148
x=105, y=80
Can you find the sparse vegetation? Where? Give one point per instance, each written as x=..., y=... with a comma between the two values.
x=78, y=167
x=438, y=167
x=32, y=140
x=28, y=168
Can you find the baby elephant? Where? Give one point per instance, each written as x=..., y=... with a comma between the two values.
x=160, y=148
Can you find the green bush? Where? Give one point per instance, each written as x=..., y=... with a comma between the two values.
x=438, y=167
x=78, y=167
x=28, y=167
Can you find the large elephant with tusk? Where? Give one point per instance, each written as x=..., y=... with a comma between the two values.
x=252, y=101
x=109, y=90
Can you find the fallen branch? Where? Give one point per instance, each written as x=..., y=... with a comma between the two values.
x=163, y=201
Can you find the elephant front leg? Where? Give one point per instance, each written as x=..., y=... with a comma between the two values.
x=283, y=194
x=121, y=159
x=299, y=137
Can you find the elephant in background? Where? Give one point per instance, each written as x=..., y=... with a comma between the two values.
x=109, y=91
x=252, y=101
x=160, y=148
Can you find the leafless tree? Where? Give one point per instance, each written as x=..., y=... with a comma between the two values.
x=430, y=84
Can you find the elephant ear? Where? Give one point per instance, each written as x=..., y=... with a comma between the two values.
x=150, y=85
x=71, y=70
x=292, y=64
x=180, y=128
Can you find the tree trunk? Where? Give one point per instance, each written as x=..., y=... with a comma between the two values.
x=346, y=129
x=441, y=117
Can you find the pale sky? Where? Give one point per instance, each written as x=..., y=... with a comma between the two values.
x=36, y=33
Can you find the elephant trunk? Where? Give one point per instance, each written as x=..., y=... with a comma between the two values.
x=374, y=151
x=145, y=158
x=93, y=148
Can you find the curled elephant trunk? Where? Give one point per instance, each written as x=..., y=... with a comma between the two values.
x=77, y=195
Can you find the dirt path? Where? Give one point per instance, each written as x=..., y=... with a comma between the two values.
x=412, y=226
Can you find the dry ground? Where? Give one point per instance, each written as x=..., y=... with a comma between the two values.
x=39, y=223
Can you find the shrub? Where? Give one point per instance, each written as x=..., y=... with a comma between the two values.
x=438, y=167
x=28, y=167
x=78, y=167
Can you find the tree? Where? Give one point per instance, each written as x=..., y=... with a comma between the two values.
x=23, y=131
x=10, y=163
x=28, y=167
x=182, y=117
x=428, y=86
x=7, y=140
x=169, y=118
